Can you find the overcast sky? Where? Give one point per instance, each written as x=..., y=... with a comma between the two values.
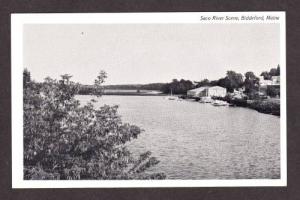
x=149, y=53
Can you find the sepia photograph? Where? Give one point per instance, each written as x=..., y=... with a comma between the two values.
x=139, y=100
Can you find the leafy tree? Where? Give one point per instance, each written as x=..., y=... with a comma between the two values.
x=225, y=82
x=178, y=87
x=266, y=75
x=232, y=81
x=98, y=83
x=64, y=140
x=278, y=70
x=251, y=83
x=273, y=91
x=272, y=72
x=26, y=76
x=204, y=82
x=236, y=79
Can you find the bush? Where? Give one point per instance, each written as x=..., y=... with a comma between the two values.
x=273, y=91
x=266, y=106
x=63, y=140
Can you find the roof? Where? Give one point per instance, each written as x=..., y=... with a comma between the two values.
x=205, y=87
x=218, y=87
x=199, y=89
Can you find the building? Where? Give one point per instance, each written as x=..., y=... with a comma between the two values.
x=271, y=85
x=263, y=82
x=275, y=80
x=207, y=91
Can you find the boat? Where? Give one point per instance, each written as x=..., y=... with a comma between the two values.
x=205, y=100
x=219, y=103
x=171, y=97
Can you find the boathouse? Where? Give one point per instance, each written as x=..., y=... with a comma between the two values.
x=207, y=91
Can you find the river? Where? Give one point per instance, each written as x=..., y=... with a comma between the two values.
x=199, y=141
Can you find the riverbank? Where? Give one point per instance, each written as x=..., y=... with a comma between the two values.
x=267, y=106
x=123, y=92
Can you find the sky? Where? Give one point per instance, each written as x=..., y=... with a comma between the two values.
x=148, y=53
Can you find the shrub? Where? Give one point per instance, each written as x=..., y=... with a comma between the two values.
x=273, y=91
x=64, y=140
x=266, y=106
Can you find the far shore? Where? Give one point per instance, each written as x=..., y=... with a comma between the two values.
x=268, y=106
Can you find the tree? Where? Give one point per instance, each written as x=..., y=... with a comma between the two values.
x=278, y=70
x=235, y=80
x=251, y=83
x=232, y=81
x=64, y=140
x=204, y=82
x=273, y=72
x=98, y=83
x=273, y=91
x=178, y=87
x=266, y=75
x=26, y=76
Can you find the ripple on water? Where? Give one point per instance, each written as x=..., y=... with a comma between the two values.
x=200, y=141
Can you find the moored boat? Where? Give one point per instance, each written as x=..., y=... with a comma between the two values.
x=219, y=103
x=205, y=100
x=171, y=97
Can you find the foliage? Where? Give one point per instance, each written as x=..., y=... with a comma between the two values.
x=273, y=91
x=232, y=81
x=64, y=140
x=89, y=89
x=266, y=75
x=266, y=106
x=98, y=89
x=272, y=72
x=178, y=87
x=26, y=76
x=204, y=82
x=251, y=84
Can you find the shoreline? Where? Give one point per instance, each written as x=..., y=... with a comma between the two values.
x=267, y=106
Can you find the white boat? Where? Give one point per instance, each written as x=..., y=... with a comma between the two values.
x=171, y=97
x=205, y=100
x=219, y=103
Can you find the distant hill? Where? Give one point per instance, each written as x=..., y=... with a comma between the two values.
x=88, y=89
x=150, y=86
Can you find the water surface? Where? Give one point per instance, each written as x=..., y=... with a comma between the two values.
x=200, y=141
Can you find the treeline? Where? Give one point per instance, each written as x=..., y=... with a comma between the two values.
x=88, y=89
x=273, y=72
x=150, y=86
x=232, y=81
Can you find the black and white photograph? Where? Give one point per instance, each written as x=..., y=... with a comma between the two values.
x=160, y=100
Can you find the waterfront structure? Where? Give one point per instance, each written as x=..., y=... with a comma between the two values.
x=207, y=91
x=265, y=84
x=275, y=80
x=238, y=94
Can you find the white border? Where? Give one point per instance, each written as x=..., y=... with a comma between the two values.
x=17, y=22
